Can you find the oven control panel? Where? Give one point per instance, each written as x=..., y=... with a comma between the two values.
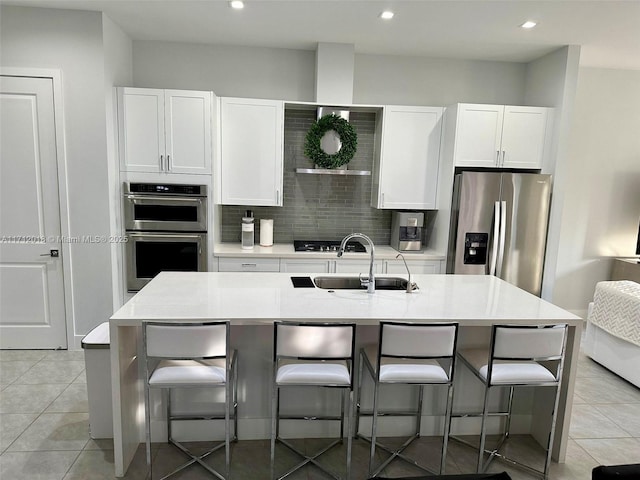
x=166, y=189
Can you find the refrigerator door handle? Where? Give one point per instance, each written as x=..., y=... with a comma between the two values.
x=496, y=234
x=503, y=234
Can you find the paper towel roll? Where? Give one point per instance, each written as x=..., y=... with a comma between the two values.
x=266, y=232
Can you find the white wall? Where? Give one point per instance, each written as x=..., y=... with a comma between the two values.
x=403, y=80
x=227, y=70
x=551, y=82
x=290, y=75
x=602, y=197
x=118, y=70
x=71, y=41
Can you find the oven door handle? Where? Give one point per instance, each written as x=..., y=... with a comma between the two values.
x=153, y=235
x=141, y=199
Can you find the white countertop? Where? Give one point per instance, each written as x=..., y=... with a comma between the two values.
x=254, y=299
x=285, y=250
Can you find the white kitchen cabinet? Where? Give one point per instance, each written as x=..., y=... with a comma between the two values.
x=306, y=265
x=357, y=266
x=248, y=264
x=406, y=169
x=499, y=136
x=251, y=160
x=165, y=131
x=396, y=267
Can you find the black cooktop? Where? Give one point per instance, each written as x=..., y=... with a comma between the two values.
x=326, y=246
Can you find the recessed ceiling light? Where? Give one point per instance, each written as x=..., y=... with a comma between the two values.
x=528, y=24
x=237, y=4
x=386, y=15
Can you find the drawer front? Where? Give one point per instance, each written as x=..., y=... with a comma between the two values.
x=238, y=264
x=305, y=266
x=417, y=267
x=357, y=266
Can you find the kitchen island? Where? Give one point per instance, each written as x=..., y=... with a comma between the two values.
x=253, y=302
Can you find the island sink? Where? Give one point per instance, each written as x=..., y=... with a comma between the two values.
x=354, y=283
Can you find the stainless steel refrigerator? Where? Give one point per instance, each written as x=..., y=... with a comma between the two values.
x=499, y=226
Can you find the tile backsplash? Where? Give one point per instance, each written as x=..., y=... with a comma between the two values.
x=319, y=207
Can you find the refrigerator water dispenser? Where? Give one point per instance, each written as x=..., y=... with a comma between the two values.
x=475, y=248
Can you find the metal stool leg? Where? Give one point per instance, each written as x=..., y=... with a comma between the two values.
x=483, y=430
x=447, y=428
x=147, y=415
x=275, y=404
x=358, y=394
x=374, y=426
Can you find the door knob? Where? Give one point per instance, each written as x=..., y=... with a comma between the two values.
x=52, y=253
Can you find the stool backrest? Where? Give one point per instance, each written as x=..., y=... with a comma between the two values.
x=186, y=340
x=529, y=342
x=413, y=340
x=314, y=340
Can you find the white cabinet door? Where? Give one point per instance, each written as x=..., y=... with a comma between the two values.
x=141, y=129
x=498, y=136
x=523, y=136
x=409, y=158
x=251, y=152
x=305, y=265
x=478, y=135
x=357, y=266
x=415, y=267
x=166, y=131
x=248, y=264
x=188, y=131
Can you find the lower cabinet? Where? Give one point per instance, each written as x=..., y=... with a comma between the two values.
x=305, y=266
x=300, y=265
x=357, y=266
x=239, y=264
x=418, y=267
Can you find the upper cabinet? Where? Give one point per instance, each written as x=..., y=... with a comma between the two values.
x=164, y=131
x=406, y=166
x=498, y=136
x=251, y=159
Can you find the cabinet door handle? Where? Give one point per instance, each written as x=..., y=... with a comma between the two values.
x=249, y=265
x=168, y=163
x=498, y=158
x=277, y=197
x=503, y=158
x=382, y=200
x=162, y=163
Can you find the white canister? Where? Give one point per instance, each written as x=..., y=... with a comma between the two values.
x=266, y=232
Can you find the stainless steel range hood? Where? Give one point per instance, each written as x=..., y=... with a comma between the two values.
x=334, y=85
x=338, y=111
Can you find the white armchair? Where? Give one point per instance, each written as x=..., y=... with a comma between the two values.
x=613, y=328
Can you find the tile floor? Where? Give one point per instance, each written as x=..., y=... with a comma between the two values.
x=44, y=431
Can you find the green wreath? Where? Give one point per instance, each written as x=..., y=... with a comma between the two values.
x=348, y=139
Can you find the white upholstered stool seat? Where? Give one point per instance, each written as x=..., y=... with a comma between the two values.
x=191, y=355
x=406, y=370
x=518, y=356
x=193, y=372
x=313, y=355
x=313, y=373
x=407, y=354
x=506, y=372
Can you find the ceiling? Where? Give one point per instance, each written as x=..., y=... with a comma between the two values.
x=608, y=31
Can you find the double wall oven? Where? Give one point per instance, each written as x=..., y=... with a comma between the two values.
x=166, y=228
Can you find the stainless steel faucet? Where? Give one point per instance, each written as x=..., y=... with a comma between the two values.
x=410, y=286
x=371, y=281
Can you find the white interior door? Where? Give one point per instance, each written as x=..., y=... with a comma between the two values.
x=32, y=313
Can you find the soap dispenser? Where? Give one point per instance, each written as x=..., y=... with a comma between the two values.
x=247, y=230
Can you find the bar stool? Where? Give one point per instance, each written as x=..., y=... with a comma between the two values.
x=408, y=354
x=312, y=355
x=191, y=355
x=513, y=359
